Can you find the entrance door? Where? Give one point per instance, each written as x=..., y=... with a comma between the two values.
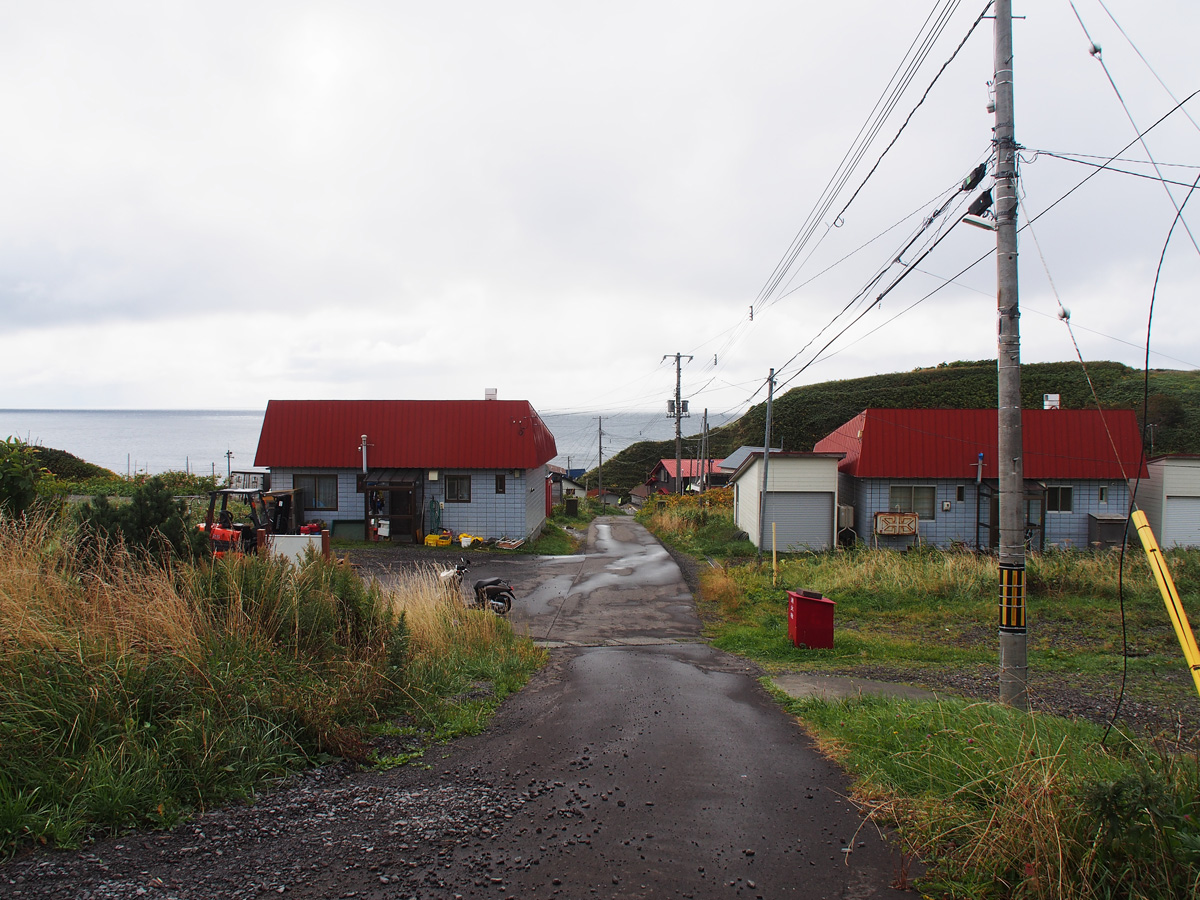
x=404, y=514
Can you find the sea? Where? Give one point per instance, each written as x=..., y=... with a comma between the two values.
x=219, y=441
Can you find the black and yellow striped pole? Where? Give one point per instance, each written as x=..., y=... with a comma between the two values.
x=1012, y=598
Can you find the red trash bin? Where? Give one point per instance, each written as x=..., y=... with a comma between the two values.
x=810, y=619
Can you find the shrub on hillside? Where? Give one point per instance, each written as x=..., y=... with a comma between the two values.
x=152, y=521
x=67, y=466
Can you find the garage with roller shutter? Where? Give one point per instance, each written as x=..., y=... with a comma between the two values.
x=801, y=500
x=1170, y=498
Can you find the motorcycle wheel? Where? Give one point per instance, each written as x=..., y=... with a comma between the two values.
x=501, y=604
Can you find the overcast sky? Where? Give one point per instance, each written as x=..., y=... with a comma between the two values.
x=215, y=204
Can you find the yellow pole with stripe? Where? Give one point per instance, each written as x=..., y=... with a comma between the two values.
x=1166, y=586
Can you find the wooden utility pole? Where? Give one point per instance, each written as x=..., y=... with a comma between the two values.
x=678, y=416
x=1014, y=670
x=762, y=499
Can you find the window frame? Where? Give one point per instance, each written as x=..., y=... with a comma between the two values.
x=458, y=479
x=501, y=485
x=1058, y=490
x=312, y=495
x=911, y=505
x=1103, y=493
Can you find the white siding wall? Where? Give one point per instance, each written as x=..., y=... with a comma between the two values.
x=533, y=482
x=1150, y=496
x=1164, y=500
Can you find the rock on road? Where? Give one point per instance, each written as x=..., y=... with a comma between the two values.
x=639, y=763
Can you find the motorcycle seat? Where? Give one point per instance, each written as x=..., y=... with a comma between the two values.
x=488, y=582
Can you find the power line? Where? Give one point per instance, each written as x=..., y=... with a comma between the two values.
x=825, y=203
x=1096, y=54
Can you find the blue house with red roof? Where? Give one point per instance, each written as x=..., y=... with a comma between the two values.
x=931, y=476
x=410, y=467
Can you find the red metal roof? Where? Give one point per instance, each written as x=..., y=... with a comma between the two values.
x=691, y=467
x=404, y=434
x=945, y=443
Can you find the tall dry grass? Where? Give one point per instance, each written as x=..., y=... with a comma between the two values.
x=450, y=646
x=718, y=586
x=118, y=603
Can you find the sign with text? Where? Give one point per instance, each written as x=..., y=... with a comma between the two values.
x=898, y=523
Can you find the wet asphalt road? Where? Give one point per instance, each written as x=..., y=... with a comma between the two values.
x=674, y=773
x=639, y=762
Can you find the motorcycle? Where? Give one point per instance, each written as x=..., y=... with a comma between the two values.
x=495, y=594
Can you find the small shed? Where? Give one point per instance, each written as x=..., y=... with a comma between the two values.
x=1170, y=498
x=801, y=500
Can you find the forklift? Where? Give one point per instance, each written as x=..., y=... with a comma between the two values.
x=236, y=515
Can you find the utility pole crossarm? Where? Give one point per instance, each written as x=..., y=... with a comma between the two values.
x=678, y=415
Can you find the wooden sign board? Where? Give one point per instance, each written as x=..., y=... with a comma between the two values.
x=898, y=523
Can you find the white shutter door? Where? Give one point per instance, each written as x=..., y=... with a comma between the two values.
x=1181, y=522
x=803, y=520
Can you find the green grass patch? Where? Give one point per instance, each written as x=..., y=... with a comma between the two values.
x=553, y=541
x=134, y=691
x=1000, y=803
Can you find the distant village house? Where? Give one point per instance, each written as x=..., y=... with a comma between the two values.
x=406, y=468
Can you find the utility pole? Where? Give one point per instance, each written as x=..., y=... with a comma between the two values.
x=762, y=499
x=228, y=467
x=678, y=415
x=704, y=453
x=1014, y=671
x=600, y=458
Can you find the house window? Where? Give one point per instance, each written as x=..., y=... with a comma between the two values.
x=1104, y=493
x=458, y=488
x=1059, y=499
x=960, y=493
x=500, y=483
x=912, y=498
x=320, y=491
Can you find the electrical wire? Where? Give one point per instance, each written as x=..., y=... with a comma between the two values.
x=1178, y=106
x=1142, y=462
x=1098, y=56
x=858, y=150
x=1144, y=60
x=1108, y=168
x=878, y=300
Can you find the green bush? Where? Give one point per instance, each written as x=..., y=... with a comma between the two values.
x=152, y=521
x=19, y=476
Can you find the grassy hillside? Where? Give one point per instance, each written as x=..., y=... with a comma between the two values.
x=67, y=466
x=804, y=415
